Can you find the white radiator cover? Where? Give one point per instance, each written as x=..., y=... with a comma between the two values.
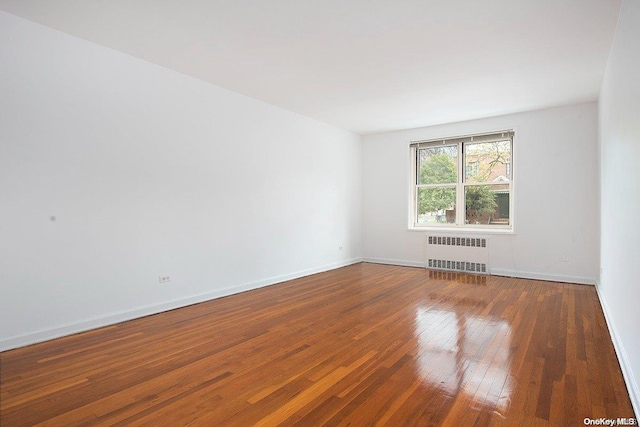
x=458, y=253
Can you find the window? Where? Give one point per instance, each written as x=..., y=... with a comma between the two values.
x=463, y=182
x=471, y=168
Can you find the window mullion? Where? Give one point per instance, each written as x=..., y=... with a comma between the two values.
x=414, y=186
x=460, y=187
x=444, y=185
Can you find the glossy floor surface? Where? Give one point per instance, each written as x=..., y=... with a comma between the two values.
x=361, y=345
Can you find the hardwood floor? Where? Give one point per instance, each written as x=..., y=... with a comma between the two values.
x=362, y=345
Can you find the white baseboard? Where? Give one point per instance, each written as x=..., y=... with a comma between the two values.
x=394, y=262
x=496, y=272
x=632, y=385
x=542, y=276
x=111, y=319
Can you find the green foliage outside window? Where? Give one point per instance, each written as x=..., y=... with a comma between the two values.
x=438, y=169
x=441, y=169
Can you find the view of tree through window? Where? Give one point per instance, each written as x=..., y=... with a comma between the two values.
x=438, y=165
x=481, y=183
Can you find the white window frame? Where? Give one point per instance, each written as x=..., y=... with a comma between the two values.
x=460, y=185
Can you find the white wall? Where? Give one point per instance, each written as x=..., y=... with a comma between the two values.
x=149, y=172
x=556, y=204
x=619, y=286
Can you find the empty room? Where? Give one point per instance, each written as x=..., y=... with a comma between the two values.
x=316, y=212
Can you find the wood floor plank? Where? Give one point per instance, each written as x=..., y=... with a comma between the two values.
x=366, y=344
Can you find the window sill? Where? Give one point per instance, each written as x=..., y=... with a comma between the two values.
x=465, y=230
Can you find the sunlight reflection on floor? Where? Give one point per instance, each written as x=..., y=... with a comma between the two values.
x=449, y=342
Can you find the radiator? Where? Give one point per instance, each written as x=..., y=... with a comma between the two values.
x=466, y=254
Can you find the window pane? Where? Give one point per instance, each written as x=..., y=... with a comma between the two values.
x=436, y=205
x=487, y=162
x=438, y=165
x=487, y=204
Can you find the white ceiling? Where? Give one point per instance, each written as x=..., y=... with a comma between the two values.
x=362, y=65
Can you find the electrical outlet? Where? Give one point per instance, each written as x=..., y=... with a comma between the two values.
x=164, y=279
